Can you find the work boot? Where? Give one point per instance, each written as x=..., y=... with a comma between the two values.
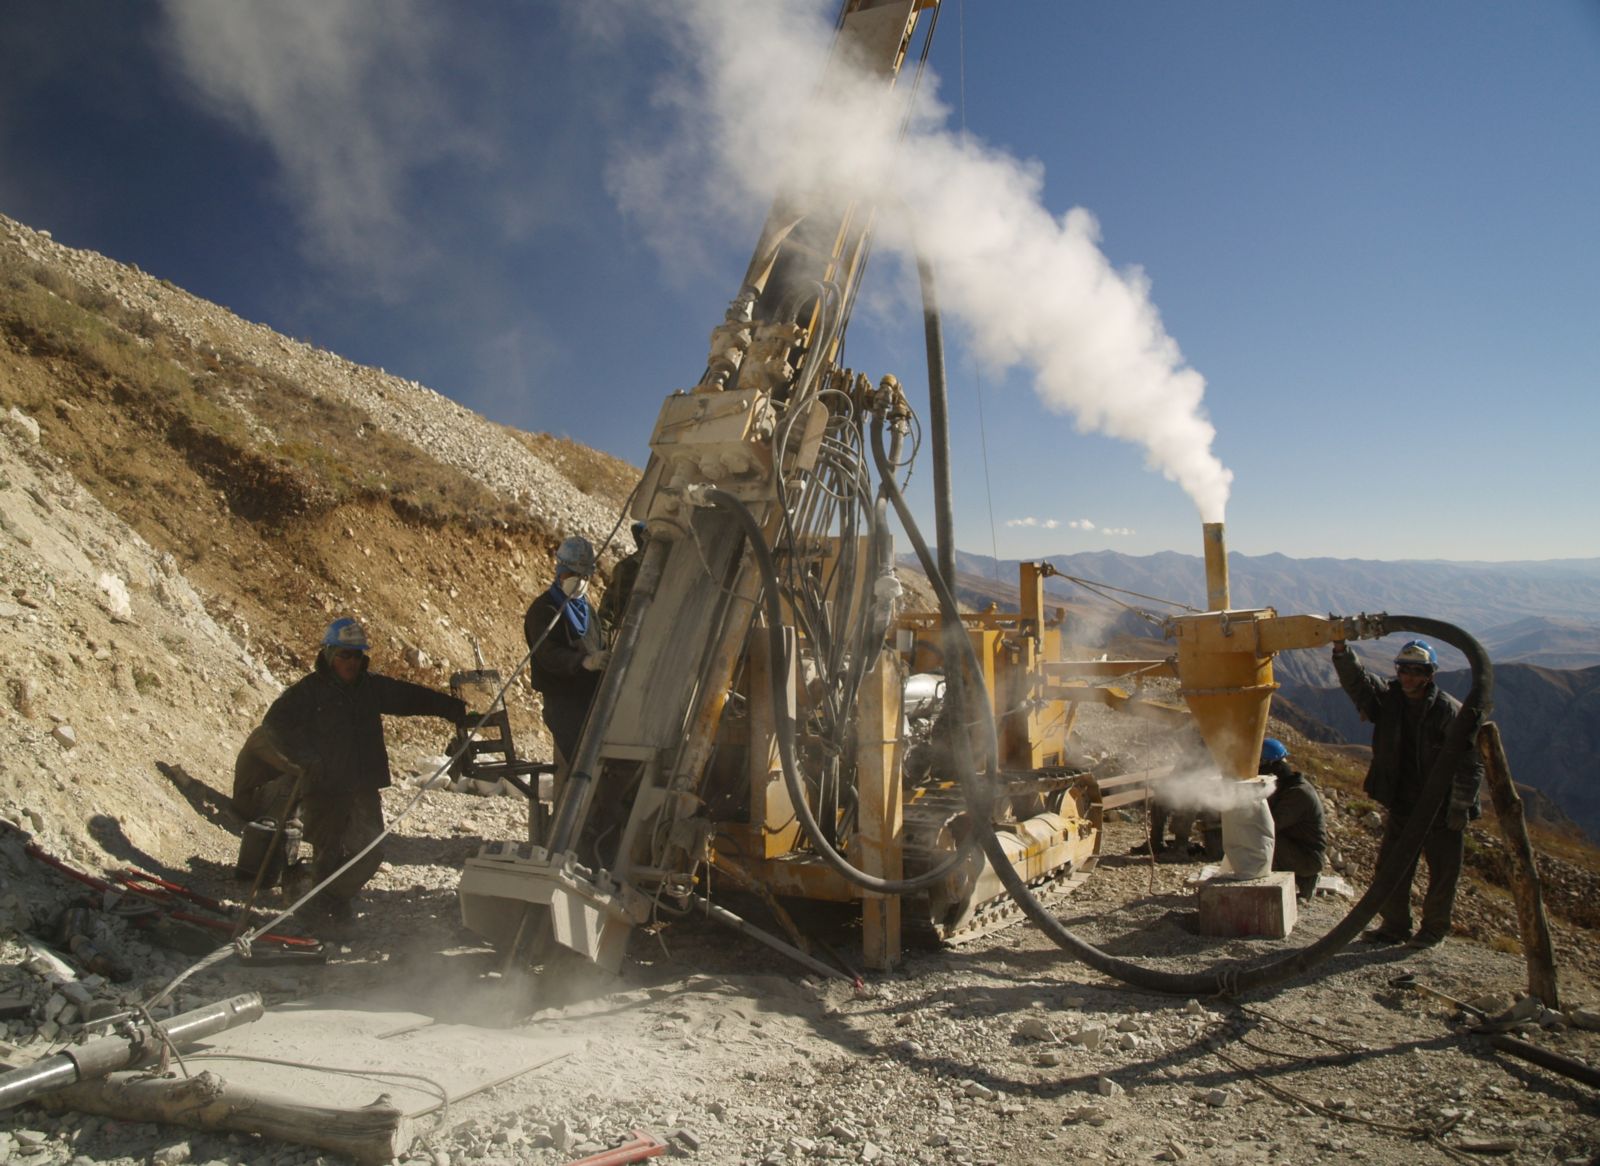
x=1425, y=939
x=1384, y=935
x=331, y=918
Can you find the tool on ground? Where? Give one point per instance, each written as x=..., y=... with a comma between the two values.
x=1409, y=980
x=641, y=1147
x=272, y=948
x=139, y=1041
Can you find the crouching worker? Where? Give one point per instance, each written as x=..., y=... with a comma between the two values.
x=321, y=744
x=1297, y=820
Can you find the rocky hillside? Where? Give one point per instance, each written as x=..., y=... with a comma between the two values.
x=187, y=498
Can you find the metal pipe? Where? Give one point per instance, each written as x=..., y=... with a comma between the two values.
x=97, y=1058
x=944, y=537
x=1217, y=598
x=744, y=927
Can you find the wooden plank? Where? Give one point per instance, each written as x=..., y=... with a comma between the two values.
x=1535, y=927
x=372, y=1133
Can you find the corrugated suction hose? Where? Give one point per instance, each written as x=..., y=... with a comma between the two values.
x=1223, y=979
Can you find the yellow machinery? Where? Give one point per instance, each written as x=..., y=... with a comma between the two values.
x=754, y=717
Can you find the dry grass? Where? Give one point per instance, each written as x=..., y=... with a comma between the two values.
x=275, y=448
x=594, y=473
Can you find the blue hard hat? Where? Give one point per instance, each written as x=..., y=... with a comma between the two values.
x=1417, y=652
x=641, y=531
x=345, y=633
x=1273, y=751
x=575, y=554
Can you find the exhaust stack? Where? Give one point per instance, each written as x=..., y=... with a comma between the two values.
x=1216, y=545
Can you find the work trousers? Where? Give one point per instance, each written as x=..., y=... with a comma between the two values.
x=337, y=825
x=1443, y=850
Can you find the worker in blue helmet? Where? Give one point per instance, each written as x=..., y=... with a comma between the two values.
x=321, y=746
x=614, y=603
x=1299, y=826
x=567, y=657
x=1411, y=716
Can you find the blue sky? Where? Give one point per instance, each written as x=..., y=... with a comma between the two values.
x=1369, y=227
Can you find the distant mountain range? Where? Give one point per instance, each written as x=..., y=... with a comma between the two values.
x=1539, y=621
x=1549, y=721
x=1541, y=613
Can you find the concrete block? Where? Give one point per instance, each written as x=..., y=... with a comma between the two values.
x=1261, y=908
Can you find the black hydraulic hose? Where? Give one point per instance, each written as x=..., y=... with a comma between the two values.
x=944, y=535
x=1234, y=978
x=777, y=663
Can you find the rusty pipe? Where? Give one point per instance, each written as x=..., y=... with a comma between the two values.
x=97, y=1058
x=1216, y=547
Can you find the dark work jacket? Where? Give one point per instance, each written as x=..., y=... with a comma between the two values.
x=615, y=601
x=557, y=670
x=1299, y=828
x=1391, y=782
x=335, y=731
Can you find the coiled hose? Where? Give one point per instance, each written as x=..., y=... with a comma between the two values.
x=1237, y=977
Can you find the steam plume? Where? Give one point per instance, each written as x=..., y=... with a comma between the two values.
x=1033, y=289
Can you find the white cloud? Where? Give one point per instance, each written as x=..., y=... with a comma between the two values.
x=1080, y=524
x=349, y=96
x=1029, y=521
x=1032, y=288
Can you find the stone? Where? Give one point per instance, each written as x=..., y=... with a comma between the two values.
x=1216, y=1098
x=1263, y=908
x=979, y=1091
x=65, y=737
x=1106, y=1087
x=171, y=1155
x=1033, y=1028
x=1049, y=1059
x=689, y=1138
x=1585, y=1018
x=25, y=423
x=561, y=1135
x=1090, y=1036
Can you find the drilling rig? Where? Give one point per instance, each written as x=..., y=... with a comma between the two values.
x=768, y=711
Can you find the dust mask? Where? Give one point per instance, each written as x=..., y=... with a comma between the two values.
x=575, y=586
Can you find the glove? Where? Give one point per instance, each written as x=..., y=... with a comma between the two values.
x=1340, y=648
x=597, y=661
x=1456, y=818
